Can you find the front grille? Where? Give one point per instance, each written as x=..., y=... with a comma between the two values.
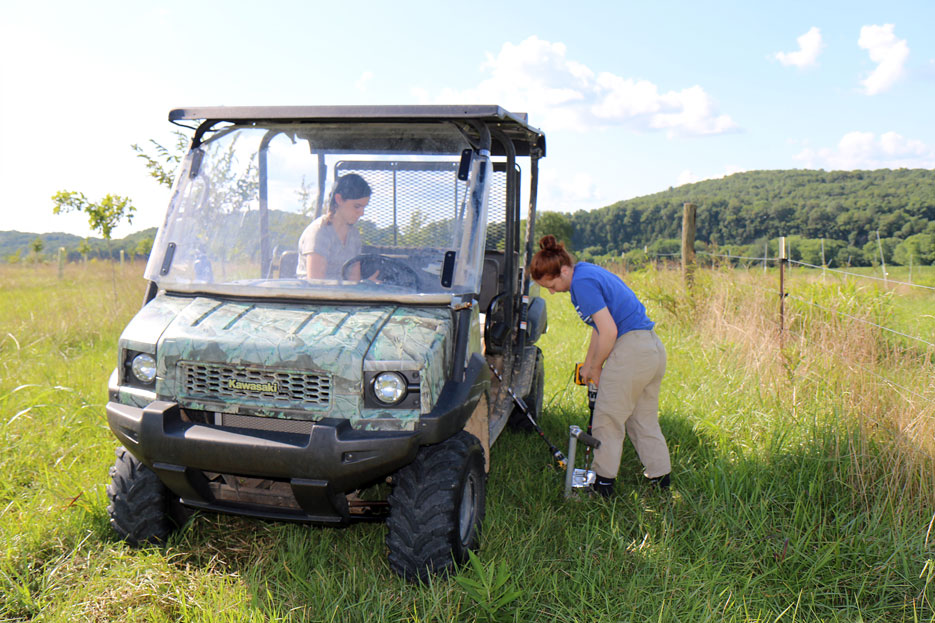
x=279, y=425
x=280, y=388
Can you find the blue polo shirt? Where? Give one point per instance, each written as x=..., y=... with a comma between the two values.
x=594, y=288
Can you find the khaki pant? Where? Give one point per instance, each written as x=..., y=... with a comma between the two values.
x=628, y=405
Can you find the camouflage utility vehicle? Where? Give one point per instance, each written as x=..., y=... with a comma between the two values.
x=245, y=387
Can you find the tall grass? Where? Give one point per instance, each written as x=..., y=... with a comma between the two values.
x=802, y=484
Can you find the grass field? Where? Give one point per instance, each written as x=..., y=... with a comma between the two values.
x=803, y=482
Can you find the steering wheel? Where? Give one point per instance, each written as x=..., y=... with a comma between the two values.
x=392, y=270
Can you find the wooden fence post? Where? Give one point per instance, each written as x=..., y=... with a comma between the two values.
x=688, y=244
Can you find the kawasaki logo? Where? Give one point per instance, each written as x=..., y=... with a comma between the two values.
x=253, y=387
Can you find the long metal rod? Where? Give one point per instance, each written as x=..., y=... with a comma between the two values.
x=556, y=453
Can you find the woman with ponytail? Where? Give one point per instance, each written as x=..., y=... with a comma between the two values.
x=332, y=239
x=625, y=360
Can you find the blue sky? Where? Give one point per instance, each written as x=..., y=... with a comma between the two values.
x=634, y=97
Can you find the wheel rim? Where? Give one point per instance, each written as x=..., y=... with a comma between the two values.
x=468, y=509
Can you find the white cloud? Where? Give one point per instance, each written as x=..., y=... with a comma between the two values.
x=687, y=177
x=810, y=45
x=690, y=177
x=536, y=76
x=569, y=192
x=866, y=150
x=888, y=52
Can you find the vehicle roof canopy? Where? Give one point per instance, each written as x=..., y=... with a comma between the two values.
x=526, y=139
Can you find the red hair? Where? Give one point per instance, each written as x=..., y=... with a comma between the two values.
x=550, y=258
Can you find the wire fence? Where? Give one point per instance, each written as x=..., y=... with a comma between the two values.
x=775, y=260
x=803, y=337
x=729, y=256
x=873, y=277
x=861, y=320
x=765, y=259
x=871, y=372
x=802, y=299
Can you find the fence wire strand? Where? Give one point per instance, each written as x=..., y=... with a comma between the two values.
x=867, y=370
x=844, y=272
x=867, y=322
x=803, y=337
x=757, y=288
x=736, y=257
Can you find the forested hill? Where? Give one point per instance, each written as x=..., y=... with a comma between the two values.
x=838, y=213
x=17, y=246
x=749, y=208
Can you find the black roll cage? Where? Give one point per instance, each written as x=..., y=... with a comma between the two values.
x=487, y=128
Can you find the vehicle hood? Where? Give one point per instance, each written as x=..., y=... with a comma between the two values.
x=300, y=361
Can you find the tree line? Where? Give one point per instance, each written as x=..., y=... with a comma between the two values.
x=837, y=218
x=851, y=215
x=16, y=246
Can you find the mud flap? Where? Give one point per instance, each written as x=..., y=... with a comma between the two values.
x=479, y=426
x=520, y=381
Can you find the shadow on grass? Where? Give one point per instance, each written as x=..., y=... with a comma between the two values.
x=743, y=535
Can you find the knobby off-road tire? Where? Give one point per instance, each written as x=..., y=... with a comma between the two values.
x=138, y=502
x=437, y=507
x=533, y=399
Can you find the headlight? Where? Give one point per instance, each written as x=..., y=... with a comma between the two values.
x=144, y=368
x=389, y=387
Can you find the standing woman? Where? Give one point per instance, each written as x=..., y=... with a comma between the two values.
x=332, y=239
x=625, y=360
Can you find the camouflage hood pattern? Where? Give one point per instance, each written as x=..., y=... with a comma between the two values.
x=297, y=361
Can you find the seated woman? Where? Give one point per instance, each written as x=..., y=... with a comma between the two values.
x=332, y=239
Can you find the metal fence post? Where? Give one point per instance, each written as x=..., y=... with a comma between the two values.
x=782, y=285
x=882, y=261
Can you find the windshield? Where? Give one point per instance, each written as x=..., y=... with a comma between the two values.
x=352, y=211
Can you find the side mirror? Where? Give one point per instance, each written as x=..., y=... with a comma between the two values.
x=197, y=156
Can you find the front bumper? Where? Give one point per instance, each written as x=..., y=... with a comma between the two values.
x=319, y=467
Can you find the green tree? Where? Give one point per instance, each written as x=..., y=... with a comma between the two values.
x=666, y=246
x=103, y=216
x=872, y=250
x=144, y=247
x=162, y=164
x=555, y=223
x=916, y=249
x=84, y=248
x=37, y=245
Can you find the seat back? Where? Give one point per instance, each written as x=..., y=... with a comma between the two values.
x=490, y=282
x=288, y=263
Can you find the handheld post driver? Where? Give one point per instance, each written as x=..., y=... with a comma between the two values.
x=581, y=478
x=574, y=478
